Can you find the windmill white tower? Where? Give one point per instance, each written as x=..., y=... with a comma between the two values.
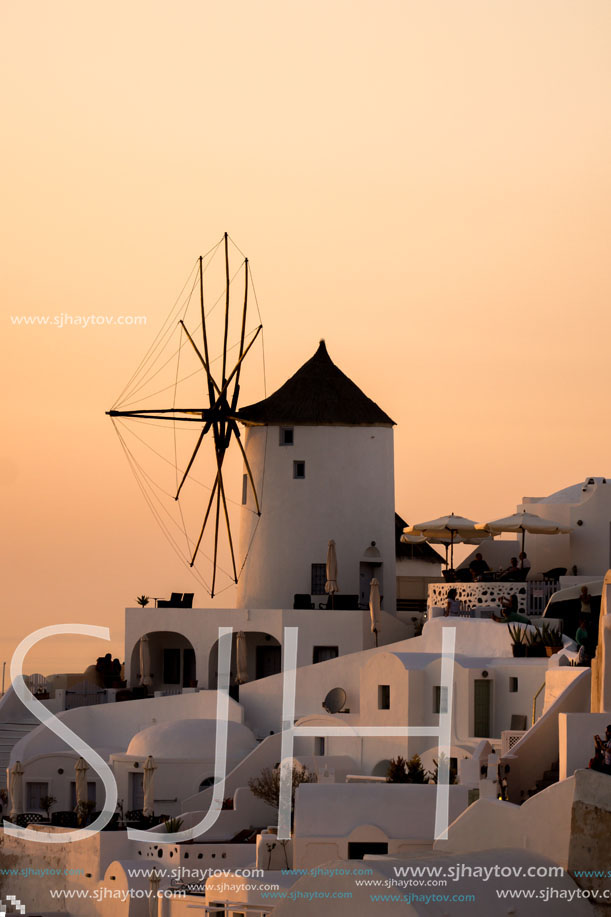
x=321, y=455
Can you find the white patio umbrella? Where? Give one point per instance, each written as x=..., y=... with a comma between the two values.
x=148, y=786
x=241, y=658
x=331, y=586
x=447, y=528
x=15, y=788
x=412, y=539
x=145, y=661
x=374, y=607
x=525, y=522
x=81, y=767
x=421, y=539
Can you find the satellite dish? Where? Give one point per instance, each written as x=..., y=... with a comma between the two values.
x=335, y=700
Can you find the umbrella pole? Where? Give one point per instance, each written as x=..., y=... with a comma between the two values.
x=522, y=558
x=452, y=550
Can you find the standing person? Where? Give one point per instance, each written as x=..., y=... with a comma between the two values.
x=452, y=605
x=586, y=603
x=504, y=784
x=582, y=639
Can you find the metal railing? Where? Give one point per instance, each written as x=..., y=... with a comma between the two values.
x=534, y=714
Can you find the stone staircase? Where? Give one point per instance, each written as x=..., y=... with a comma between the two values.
x=549, y=776
x=10, y=733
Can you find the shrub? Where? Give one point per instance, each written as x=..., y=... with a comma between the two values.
x=267, y=786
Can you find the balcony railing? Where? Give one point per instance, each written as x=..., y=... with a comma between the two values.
x=532, y=597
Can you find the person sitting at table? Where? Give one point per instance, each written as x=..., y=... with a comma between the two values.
x=452, y=608
x=524, y=561
x=509, y=611
x=478, y=567
x=512, y=572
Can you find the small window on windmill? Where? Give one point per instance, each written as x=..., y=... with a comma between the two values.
x=286, y=436
x=383, y=697
x=299, y=469
x=319, y=578
x=244, y=489
x=513, y=685
x=440, y=699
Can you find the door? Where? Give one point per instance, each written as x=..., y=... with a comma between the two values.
x=482, y=693
x=188, y=668
x=367, y=572
x=268, y=661
x=357, y=850
x=136, y=790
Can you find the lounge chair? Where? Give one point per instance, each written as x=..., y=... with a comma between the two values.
x=302, y=600
x=175, y=601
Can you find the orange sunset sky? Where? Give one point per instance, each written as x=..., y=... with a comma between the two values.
x=423, y=184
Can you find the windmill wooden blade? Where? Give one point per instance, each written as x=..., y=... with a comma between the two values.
x=203, y=529
x=191, y=460
x=223, y=335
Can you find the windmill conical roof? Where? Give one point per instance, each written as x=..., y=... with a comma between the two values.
x=318, y=394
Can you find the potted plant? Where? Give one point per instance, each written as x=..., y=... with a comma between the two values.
x=143, y=600
x=83, y=811
x=518, y=638
x=47, y=803
x=552, y=639
x=535, y=645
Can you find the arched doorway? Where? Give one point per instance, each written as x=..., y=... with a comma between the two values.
x=381, y=768
x=173, y=664
x=263, y=658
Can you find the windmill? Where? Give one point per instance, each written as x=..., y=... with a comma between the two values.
x=217, y=416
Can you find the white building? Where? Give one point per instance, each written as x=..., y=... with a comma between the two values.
x=321, y=453
x=586, y=508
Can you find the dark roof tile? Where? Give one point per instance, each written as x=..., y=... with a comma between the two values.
x=318, y=394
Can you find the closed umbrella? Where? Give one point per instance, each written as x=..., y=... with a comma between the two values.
x=145, y=661
x=331, y=586
x=154, y=880
x=81, y=767
x=241, y=658
x=15, y=788
x=447, y=528
x=148, y=786
x=374, y=607
x=525, y=522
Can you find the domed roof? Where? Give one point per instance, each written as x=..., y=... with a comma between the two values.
x=574, y=493
x=190, y=739
x=318, y=394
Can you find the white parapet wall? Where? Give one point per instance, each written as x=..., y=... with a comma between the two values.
x=331, y=818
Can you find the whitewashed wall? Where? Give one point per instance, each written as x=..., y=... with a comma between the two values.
x=347, y=494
